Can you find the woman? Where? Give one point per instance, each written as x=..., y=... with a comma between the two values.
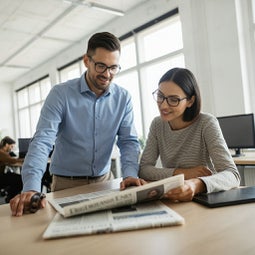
x=188, y=142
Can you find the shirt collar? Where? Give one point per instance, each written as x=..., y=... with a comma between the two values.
x=83, y=84
x=85, y=88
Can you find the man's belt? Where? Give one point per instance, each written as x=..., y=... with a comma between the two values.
x=78, y=177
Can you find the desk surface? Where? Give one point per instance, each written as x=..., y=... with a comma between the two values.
x=225, y=230
x=247, y=159
x=19, y=164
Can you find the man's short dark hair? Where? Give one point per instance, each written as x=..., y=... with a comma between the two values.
x=6, y=140
x=104, y=40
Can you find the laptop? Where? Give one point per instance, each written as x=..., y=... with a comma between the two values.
x=229, y=197
x=23, y=146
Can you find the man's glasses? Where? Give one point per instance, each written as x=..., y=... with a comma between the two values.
x=172, y=101
x=101, y=67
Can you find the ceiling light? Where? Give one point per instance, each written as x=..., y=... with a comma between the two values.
x=96, y=6
x=107, y=9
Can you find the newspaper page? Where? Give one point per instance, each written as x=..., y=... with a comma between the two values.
x=108, y=199
x=140, y=216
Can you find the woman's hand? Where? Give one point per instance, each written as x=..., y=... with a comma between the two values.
x=187, y=191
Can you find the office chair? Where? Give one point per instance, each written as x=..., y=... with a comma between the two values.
x=47, y=180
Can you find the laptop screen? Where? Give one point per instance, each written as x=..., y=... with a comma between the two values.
x=23, y=146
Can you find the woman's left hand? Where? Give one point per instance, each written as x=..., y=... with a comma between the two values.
x=187, y=191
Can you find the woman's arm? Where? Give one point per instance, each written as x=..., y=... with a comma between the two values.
x=148, y=169
x=227, y=175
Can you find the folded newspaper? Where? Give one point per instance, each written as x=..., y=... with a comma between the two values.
x=140, y=216
x=108, y=199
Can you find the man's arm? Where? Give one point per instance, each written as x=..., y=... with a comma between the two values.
x=129, y=149
x=128, y=143
x=37, y=156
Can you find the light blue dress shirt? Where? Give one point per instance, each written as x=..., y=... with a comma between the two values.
x=84, y=129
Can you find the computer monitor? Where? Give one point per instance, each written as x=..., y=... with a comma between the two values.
x=23, y=146
x=238, y=131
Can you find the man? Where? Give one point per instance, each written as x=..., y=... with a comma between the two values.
x=83, y=118
x=10, y=182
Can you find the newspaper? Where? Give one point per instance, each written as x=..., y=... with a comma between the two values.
x=108, y=199
x=140, y=216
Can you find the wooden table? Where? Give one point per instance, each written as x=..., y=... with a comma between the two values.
x=225, y=230
x=20, y=164
x=247, y=160
x=246, y=168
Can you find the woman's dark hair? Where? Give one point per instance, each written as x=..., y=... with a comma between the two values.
x=6, y=140
x=104, y=40
x=187, y=82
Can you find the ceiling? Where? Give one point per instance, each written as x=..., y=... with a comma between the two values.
x=33, y=31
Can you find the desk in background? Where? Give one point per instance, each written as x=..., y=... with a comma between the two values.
x=225, y=230
x=47, y=177
x=246, y=168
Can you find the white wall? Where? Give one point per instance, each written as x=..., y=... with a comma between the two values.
x=214, y=55
x=211, y=45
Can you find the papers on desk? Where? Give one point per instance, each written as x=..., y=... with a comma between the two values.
x=146, y=215
x=114, y=210
x=108, y=199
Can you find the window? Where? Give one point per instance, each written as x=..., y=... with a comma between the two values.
x=30, y=100
x=150, y=75
x=130, y=82
x=147, y=53
x=71, y=70
x=128, y=54
x=250, y=56
x=161, y=39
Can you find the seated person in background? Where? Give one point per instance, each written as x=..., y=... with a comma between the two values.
x=188, y=141
x=10, y=181
x=12, y=154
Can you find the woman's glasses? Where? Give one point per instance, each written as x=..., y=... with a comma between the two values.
x=172, y=101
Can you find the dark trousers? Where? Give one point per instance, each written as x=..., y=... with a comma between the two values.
x=12, y=183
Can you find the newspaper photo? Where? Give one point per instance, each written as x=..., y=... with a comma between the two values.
x=108, y=199
x=140, y=216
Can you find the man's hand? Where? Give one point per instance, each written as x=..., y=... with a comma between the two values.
x=193, y=172
x=21, y=203
x=131, y=181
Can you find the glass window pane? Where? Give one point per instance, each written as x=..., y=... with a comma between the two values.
x=162, y=39
x=70, y=72
x=130, y=82
x=22, y=98
x=34, y=116
x=45, y=88
x=24, y=123
x=150, y=78
x=82, y=67
x=253, y=9
x=128, y=54
x=34, y=93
